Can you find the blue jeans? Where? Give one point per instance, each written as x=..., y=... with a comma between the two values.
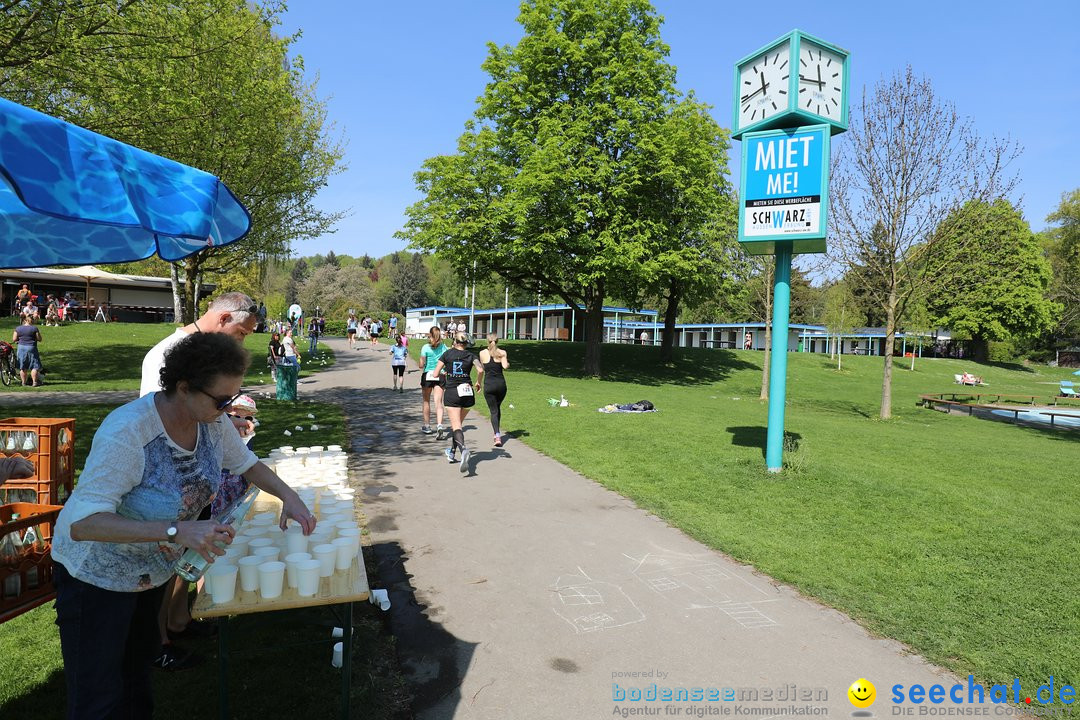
x=314, y=342
x=108, y=640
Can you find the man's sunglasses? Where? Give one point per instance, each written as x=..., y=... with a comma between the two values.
x=221, y=404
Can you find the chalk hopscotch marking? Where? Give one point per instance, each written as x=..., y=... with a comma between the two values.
x=699, y=583
x=590, y=605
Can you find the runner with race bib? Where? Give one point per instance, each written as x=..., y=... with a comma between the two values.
x=459, y=393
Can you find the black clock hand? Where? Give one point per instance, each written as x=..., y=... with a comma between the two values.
x=763, y=83
x=820, y=82
x=761, y=89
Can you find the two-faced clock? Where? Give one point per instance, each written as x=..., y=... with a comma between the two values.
x=793, y=81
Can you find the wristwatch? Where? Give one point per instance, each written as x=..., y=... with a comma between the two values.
x=170, y=534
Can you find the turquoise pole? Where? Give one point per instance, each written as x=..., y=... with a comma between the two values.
x=774, y=447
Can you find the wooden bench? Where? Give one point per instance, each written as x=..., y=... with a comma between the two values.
x=1057, y=415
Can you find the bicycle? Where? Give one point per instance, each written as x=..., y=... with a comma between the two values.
x=8, y=370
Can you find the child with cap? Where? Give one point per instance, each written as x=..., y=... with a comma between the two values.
x=233, y=486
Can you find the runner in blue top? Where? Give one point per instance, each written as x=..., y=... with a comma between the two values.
x=398, y=355
x=431, y=383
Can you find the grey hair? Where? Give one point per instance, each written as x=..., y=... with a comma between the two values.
x=234, y=303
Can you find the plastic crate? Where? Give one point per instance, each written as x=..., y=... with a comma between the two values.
x=42, y=517
x=49, y=443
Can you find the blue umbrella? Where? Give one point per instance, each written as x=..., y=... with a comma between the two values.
x=69, y=196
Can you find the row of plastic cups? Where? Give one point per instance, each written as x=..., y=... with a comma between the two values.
x=266, y=576
x=312, y=448
x=262, y=570
x=293, y=539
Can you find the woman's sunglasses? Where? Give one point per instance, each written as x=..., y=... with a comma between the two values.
x=222, y=404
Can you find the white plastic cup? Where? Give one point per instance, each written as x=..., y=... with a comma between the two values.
x=336, y=659
x=222, y=578
x=352, y=533
x=380, y=598
x=345, y=553
x=264, y=519
x=241, y=542
x=334, y=448
x=291, y=565
x=295, y=540
x=327, y=556
x=249, y=572
x=271, y=578
x=307, y=574
x=270, y=553
x=233, y=553
x=259, y=542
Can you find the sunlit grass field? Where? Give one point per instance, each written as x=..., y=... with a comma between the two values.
x=954, y=535
x=108, y=356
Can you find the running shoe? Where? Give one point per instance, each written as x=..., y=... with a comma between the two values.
x=498, y=441
x=449, y=453
x=426, y=429
x=464, y=466
x=440, y=434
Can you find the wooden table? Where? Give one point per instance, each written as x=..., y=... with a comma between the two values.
x=344, y=587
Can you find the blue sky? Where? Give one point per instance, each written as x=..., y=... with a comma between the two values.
x=400, y=79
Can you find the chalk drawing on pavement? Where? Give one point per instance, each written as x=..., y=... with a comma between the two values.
x=589, y=605
x=698, y=582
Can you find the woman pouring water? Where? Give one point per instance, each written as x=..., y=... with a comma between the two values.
x=154, y=465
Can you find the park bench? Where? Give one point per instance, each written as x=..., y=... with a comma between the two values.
x=1058, y=415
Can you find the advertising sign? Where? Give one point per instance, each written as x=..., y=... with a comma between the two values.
x=785, y=186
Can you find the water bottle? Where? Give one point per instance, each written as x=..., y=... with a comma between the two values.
x=33, y=544
x=191, y=564
x=10, y=555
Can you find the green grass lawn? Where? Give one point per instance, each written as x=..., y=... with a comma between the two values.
x=31, y=676
x=954, y=535
x=100, y=356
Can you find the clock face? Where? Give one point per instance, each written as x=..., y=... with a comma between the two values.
x=821, y=81
x=763, y=85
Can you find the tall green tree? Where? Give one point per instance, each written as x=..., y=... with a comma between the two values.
x=841, y=316
x=297, y=278
x=907, y=162
x=990, y=277
x=553, y=184
x=1061, y=243
x=406, y=284
x=690, y=257
x=204, y=82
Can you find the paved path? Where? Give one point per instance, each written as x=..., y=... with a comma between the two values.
x=524, y=590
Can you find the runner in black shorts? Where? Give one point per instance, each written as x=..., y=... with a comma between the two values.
x=459, y=392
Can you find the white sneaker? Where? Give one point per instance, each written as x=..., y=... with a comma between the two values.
x=449, y=453
x=464, y=465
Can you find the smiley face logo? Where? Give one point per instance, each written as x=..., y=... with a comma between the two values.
x=862, y=693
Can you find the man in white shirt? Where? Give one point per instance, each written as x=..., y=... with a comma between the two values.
x=234, y=314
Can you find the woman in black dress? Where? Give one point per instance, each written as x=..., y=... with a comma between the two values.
x=494, y=361
x=275, y=354
x=460, y=393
